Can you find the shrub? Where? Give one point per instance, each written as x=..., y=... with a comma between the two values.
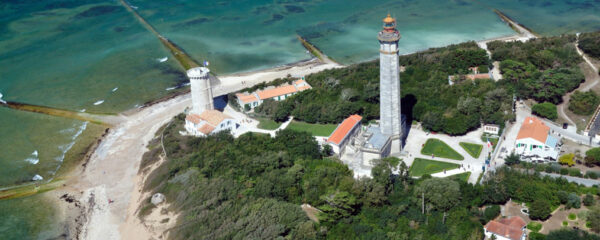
x=565, y=223
x=534, y=226
x=491, y=212
x=574, y=172
x=567, y=159
x=572, y=216
x=546, y=110
x=563, y=196
x=512, y=159
x=592, y=157
x=549, y=169
x=583, y=103
x=540, y=210
x=591, y=174
x=588, y=200
x=564, y=171
x=573, y=201
x=537, y=236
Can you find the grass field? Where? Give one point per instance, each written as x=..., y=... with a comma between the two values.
x=268, y=124
x=472, y=148
x=421, y=167
x=440, y=149
x=493, y=139
x=461, y=177
x=314, y=129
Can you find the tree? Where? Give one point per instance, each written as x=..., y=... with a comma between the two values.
x=563, y=196
x=546, y=110
x=573, y=201
x=588, y=200
x=512, y=159
x=439, y=193
x=540, y=210
x=594, y=219
x=338, y=205
x=592, y=157
x=327, y=150
x=567, y=159
x=491, y=212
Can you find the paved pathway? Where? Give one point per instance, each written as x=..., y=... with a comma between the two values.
x=584, y=181
x=417, y=137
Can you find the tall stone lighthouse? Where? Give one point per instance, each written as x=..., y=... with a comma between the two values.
x=202, y=98
x=389, y=83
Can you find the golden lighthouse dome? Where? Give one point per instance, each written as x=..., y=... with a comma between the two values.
x=389, y=19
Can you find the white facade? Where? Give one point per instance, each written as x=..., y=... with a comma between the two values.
x=535, y=150
x=209, y=122
x=488, y=235
x=389, y=83
x=491, y=129
x=278, y=93
x=202, y=98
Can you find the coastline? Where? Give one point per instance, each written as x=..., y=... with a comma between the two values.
x=113, y=169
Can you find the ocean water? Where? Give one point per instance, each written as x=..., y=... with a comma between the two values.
x=92, y=55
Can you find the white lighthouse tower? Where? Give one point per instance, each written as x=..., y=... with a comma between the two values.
x=202, y=98
x=389, y=83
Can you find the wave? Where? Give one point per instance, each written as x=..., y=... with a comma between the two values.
x=2, y=101
x=82, y=110
x=178, y=86
x=162, y=59
x=33, y=159
x=65, y=148
x=115, y=89
x=99, y=102
x=37, y=178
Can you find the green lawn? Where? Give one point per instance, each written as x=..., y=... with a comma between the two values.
x=472, y=149
x=314, y=129
x=494, y=140
x=423, y=166
x=440, y=149
x=268, y=124
x=464, y=177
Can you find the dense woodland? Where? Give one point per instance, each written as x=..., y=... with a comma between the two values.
x=590, y=44
x=253, y=186
x=542, y=69
x=426, y=95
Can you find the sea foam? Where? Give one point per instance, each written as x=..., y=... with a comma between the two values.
x=37, y=178
x=115, y=89
x=33, y=158
x=99, y=102
x=162, y=59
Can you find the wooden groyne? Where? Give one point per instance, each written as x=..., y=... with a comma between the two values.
x=100, y=119
x=517, y=27
x=177, y=52
x=316, y=52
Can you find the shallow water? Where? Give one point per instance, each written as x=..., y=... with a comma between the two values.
x=74, y=54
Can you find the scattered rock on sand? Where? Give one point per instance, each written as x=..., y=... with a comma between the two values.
x=158, y=198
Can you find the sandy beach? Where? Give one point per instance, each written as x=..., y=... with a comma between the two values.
x=111, y=174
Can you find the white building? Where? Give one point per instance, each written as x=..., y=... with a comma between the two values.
x=344, y=133
x=389, y=82
x=491, y=129
x=535, y=142
x=209, y=122
x=202, y=98
x=512, y=228
x=373, y=144
x=278, y=93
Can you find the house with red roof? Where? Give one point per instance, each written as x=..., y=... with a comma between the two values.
x=209, y=122
x=277, y=93
x=343, y=134
x=536, y=142
x=511, y=228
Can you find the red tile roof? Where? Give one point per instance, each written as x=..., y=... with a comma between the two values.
x=278, y=91
x=478, y=76
x=195, y=118
x=343, y=129
x=533, y=128
x=247, y=98
x=213, y=117
x=511, y=228
x=206, y=129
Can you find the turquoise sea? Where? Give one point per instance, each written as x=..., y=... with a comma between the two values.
x=92, y=55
